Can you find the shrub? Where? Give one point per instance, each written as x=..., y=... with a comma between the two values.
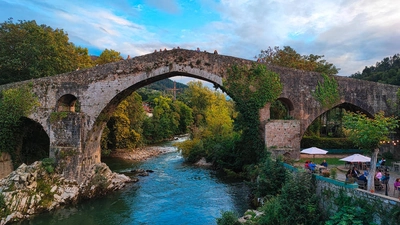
x=228, y=218
x=333, y=173
x=48, y=164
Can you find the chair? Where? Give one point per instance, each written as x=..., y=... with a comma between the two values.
x=395, y=167
x=362, y=184
x=378, y=185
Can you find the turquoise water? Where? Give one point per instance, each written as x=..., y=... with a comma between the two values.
x=175, y=193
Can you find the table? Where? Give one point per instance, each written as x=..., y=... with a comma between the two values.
x=320, y=168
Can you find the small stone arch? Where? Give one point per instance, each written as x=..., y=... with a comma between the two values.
x=67, y=103
x=346, y=106
x=288, y=111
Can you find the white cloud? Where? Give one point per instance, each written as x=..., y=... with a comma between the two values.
x=351, y=34
x=357, y=31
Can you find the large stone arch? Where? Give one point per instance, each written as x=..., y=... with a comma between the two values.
x=92, y=144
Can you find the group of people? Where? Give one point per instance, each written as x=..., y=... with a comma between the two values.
x=310, y=165
x=379, y=178
x=355, y=173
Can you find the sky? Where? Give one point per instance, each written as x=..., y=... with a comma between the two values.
x=350, y=34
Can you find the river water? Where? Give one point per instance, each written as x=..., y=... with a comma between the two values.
x=175, y=193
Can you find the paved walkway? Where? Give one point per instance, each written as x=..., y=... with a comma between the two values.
x=341, y=175
x=393, y=176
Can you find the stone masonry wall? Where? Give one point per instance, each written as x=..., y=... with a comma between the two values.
x=6, y=166
x=282, y=137
x=328, y=190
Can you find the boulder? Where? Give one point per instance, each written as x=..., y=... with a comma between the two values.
x=31, y=190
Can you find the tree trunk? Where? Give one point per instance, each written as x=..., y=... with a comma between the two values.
x=371, y=176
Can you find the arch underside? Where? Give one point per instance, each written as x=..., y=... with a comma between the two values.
x=94, y=135
x=347, y=106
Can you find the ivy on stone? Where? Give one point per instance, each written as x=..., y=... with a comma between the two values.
x=327, y=92
x=15, y=103
x=252, y=87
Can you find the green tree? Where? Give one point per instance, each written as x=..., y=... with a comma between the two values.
x=29, y=51
x=185, y=116
x=124, y=129
x=14, y=104
x=169, y=118
x=83, y=59
x=297, y=203
x=368, y=133
x=108, y=56
x=212, y=136
x=251, y=88
x=198, y=98
x=386, y=71
x=288, y=57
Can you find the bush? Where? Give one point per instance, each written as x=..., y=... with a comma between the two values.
x=48, y=164
x=269, y=177
x=327, y=143
x=228, y=218
x=2, y=201
x=333, y=173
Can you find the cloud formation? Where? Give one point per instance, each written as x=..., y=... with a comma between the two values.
x=350, y=34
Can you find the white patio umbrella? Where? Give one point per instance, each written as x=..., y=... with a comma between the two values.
x=314, y=151
x=356, y=158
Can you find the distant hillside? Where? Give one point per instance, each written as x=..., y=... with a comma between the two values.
x=387, y=71
x=165, y=85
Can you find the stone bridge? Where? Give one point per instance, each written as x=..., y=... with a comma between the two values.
x=90, y=96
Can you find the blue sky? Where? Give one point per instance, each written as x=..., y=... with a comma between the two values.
x=350, y=34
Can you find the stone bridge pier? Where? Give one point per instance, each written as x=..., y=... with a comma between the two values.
x=67, y=146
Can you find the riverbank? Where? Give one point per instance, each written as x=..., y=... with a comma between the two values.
x=138, y=154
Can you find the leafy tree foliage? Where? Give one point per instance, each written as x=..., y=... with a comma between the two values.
x=83, y=59
x=386, y=71
x=288, y=57
x=198, y=98
x=14, y=104
x=212, y=134
x=251, y=88
x=268, y=178
x=353, y=211
x=297, y=203
x=228, y=218
x=28, y=51
x=108, y=56
x=367, y=133
x=124, y=129
x=169, y=118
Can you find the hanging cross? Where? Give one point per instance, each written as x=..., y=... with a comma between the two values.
x=174, y=90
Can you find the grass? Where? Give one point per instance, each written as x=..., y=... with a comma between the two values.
x=330, y=161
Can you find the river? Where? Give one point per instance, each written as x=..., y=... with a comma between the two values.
x=175, y=193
